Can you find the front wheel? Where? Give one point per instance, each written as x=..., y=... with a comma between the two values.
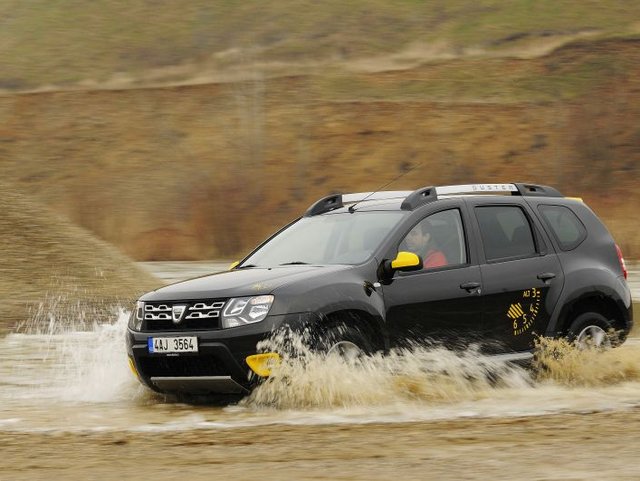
x=347, y=342
x=590, y=330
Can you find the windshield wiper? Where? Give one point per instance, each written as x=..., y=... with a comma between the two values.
x=246, y=266
x=294, y=263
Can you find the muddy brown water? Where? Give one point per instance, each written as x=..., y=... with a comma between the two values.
x=69, y=406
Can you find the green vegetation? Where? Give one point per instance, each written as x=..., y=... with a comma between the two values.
x=69, y=41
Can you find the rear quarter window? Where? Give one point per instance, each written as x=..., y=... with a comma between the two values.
x=566, y=227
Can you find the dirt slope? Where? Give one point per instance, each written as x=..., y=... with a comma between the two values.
x=209, y=170
x=47, y=260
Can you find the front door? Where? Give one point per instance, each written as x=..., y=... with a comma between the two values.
x=442, y=302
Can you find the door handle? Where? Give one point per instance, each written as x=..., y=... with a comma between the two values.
x=470, y=286
x=546, y=276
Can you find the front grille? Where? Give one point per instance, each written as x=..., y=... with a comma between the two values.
x=181, y=366
x=191, y=315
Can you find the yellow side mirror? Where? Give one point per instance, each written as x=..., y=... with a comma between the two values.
x=233, y=265
x=406, y=261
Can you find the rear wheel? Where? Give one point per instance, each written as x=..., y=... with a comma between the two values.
x=590, y=330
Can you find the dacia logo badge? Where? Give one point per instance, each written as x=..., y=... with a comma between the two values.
x=177, y=312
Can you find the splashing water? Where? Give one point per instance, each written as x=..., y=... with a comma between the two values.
x=64, y=312
x=561, y=362
x=61, y=377
x=65, y=364
x=427, y=375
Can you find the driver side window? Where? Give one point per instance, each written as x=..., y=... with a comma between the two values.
x=438, y=239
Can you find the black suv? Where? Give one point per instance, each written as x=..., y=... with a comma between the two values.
x=371, y=271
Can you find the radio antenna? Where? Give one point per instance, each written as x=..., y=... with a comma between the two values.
x=352, y=207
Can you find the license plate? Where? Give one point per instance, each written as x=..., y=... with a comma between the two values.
x=173, y=344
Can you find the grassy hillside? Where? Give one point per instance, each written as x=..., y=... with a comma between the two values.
x=71, y=42
x=51, y=267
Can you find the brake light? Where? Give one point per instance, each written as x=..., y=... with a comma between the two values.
x=621, y=259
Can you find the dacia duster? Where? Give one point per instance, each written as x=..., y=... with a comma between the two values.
x=368, y=272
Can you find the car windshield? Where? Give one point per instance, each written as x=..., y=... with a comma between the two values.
x=346, y=238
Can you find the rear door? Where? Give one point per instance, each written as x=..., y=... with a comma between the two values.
x=521, y=274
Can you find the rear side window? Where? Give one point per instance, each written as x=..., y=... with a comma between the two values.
x=568, y=230
x=505, y=232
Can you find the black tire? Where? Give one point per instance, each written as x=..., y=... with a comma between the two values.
x=342, y=338
x=590, y=329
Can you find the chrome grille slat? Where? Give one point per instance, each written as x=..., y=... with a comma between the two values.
x=156, y=317
x=158, y=308
x=199, y=314
x=203, y=315
x=203, y=305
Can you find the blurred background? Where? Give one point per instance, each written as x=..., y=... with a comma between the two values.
x=186, y=130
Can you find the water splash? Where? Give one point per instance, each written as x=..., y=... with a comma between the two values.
x=561, y=362
x=422, y=374
x=71, y=310
x=93, y=364
x=65, y=378
x=66, y=364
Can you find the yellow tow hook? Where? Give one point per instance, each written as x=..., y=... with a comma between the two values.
x=262, y=364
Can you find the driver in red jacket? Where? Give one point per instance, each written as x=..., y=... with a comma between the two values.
x=420, y=240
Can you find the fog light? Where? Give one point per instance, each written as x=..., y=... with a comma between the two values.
x=262, y=364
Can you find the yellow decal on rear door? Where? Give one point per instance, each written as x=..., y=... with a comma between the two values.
x=524, y=313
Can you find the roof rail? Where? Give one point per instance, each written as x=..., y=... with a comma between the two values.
x=377, y=195
x=326, y=204
x=335, y=201
x=535, y=190
x=429, y=194
x=419, y=197
x=424, y=195
x=475, y=189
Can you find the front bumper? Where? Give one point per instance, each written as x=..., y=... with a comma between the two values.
x=218, y=367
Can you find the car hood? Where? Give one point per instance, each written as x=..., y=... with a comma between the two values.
x=244, y=282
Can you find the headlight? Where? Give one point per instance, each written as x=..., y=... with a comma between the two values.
x=246, y=310
x=135, y=320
